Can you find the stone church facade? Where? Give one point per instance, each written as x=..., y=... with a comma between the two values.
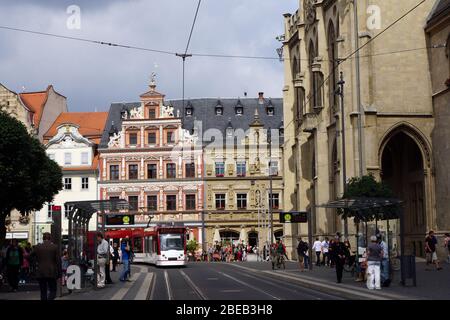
x=394, y=142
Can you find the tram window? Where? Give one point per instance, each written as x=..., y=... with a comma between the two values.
x=137, y=245
x=171, y=242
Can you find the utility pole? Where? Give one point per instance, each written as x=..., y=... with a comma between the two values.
x=269, y=140
x=344, y=162
x=183, y=56
x=358, y=89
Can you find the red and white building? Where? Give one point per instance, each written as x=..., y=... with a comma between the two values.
x=148, y=159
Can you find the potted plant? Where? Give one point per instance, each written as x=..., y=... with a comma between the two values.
x=191, y=247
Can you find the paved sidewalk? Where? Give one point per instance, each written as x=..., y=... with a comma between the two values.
x=431, y=285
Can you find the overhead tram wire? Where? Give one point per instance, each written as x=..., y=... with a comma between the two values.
x=311, y=96
x=185, y=54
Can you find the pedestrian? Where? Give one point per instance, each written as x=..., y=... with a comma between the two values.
x=326, y=258
x=430, y=249
x=339, y=252
x=64, y=265
x=108, y=263
x=125, y=248
x=385, y=281
x=25, y=268
x=447, y=246
x=317, y=247
x=14, y=260
x=102, y=257
x=374, y=258
x=115, y=256
x=48, y=262
x=330, y=253
x=302, y=248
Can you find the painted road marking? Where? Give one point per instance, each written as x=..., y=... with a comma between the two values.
x=145, y=287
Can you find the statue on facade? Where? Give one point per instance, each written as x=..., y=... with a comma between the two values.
x=114, y=140
x=167, y=112
x=136, y=113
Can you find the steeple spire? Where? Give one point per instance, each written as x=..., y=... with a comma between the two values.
x=153, y=82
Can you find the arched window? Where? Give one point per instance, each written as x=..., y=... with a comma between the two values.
x=333, y=63
x=300, y=103
x=294, y=68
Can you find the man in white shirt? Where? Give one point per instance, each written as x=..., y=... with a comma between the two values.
x=325, y=247
x=317, y=247
x=102, y=256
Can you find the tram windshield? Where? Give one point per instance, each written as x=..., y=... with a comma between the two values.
x=171, y=241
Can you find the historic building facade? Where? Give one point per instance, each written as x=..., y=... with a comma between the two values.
x=394, y=140
x=438, y=42
x=37, y=111
x=147, y=158
x=72, y=142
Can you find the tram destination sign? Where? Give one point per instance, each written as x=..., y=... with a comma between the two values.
x=294, y=217
x=120, y=220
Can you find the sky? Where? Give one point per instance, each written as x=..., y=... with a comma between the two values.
x=93, y=76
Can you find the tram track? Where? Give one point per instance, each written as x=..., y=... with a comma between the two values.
x=196, y=289
x=168, y=287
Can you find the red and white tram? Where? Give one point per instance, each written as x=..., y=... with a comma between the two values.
x=161, y=246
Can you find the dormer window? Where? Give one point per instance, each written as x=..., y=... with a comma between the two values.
x=219, y=108
x=270, y=109
x=281, y=130
x=229, y=130
x=239, y=108
x=189, y=109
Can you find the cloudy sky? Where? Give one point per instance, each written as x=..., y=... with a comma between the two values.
x=92, y=76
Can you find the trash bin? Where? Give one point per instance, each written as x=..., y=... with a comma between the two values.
x=408, y=269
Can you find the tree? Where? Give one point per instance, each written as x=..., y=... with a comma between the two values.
x=191, y=247
x=28, y=178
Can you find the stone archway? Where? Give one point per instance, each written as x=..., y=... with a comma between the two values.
x=253, y=238
x=404, y=161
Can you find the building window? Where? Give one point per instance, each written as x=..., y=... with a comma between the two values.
x=114, y=204
x=51, y=156
x=67, y=158
x=133, y=171
x=84, y=158
x=67, y=183
x=152, y=113
x=49, y=210
x=84, y=183
x=299, y=104
x=219, y=108
x=242, y=200
x=114, y=172
x=170, y=137
x=220, y=201
x=273, y=168
x=220, y=169
x=171, y=202
x=241, y=169
x=67, y=210
x=152, y=203
x=133, y=202
x=190, y=202
x=152, y=138
x=171, y=170
x=274, y=200
x=190, y=170
x=189, y=109
x=151, y=171
x=132, y=139
x=333, y=65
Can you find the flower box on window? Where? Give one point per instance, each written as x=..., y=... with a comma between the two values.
x=220, y=175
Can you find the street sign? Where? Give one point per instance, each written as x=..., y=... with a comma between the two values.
x=294, y=217
x=121, y=220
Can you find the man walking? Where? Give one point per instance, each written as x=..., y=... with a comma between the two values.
x=374, y=257
x=125, y=248
x=339, y=252
x=302, y=247
x=385, y=281
x=49, y=267
x=326, y=258
x=430, y=249
x=317, y=247
x=102, y=257
x=108, y=263
x=14, y=259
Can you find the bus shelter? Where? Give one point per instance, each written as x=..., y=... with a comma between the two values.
x=82, y=244
x=369, y=209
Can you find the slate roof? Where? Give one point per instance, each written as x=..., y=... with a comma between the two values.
x=441, y=9
x=204, y=110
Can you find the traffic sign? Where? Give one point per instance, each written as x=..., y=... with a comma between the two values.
x=294, y=217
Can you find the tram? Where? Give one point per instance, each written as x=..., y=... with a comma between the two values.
x=161, y=245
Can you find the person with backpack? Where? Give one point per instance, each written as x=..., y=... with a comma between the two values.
x=302, y=248
x=14, y=260
x=125, y=248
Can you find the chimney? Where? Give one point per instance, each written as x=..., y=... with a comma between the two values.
x=261, y=98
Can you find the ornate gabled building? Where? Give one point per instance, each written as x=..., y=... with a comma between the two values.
x=72, y=141
x=393, y=141
x=147, y=158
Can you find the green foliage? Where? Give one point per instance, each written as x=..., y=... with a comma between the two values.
x=368, y=187
x=192, y=245
x=28, y=178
